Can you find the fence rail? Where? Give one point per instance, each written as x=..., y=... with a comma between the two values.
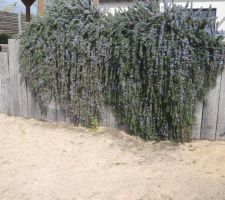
x=17, y=100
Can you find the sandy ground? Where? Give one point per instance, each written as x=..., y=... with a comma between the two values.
x=54, y=161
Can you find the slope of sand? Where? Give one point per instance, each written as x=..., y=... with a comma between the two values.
x=54, y=161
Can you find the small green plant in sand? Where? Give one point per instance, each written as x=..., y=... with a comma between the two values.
x=94, y=124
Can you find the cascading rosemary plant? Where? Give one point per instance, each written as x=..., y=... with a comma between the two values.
x=61, y=56
x=151, y=67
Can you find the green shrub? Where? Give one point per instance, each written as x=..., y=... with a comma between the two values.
x=152, y=68
x=94, y=123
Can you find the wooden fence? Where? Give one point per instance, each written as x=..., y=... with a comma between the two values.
x=11, y=23
x=17, y=100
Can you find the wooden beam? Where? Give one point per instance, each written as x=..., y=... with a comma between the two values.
x=28, y=16
x=41, y=7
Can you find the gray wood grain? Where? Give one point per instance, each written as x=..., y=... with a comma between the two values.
x=51, y=112
x=18, y=101
x=14, y=82
x=196, y=130
x=60, y=113
x=4, y=84
x=34, y=110
x=210, y=112
x=220, y=131
x=108, y=118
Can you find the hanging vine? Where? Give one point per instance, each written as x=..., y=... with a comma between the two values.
x=151, y=67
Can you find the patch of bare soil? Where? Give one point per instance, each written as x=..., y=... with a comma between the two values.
x=55, y=161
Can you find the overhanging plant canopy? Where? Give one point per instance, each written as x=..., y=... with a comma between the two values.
x=152, y=68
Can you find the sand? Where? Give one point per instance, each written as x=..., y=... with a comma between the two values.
x=54, y=161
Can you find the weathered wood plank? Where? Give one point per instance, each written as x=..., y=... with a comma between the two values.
x=220, y=131
x=3, y=64
x=34, y=110
x=51, y=112
x=210, y=112
x=196, y=130
x=108, y=118
x=60, y=113
x=4, y=84
x=17, y=82
x=13, y=71
x=23, y=97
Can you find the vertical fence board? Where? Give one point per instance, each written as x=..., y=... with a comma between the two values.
x=67, y=116
x=51, y=112
x=196, y=130
x=4, y=84
x=14, y=87
x=3, y=64
x=17, y=82
x=108, y=118
x=104, y=116
x=23, y=97
x=60, y=114
x=210, y=112
x=33, y=107
x=220, y=131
